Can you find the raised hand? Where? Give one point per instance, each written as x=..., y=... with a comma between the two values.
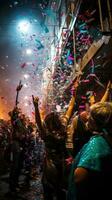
x=107, y=92
x=35, y=100
x=75, y=86
x=19, y=87
x=109, y=85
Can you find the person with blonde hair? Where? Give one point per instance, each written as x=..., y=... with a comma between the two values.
x=91, y=171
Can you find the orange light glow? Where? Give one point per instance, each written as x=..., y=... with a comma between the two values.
x=3, y=111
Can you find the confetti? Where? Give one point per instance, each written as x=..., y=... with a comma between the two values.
x=23, y=65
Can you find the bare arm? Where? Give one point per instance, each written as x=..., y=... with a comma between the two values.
x=37, y=116
x=70, y=131
x=71, y=103
x=106, y=94
x=81, y=176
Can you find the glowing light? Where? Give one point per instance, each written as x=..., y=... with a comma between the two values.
x=24, y=26
x=28, y=51
x=58, y=107
x=26, y=76
x=25, y=85
x=25, y=97
x=26, y=104
x=29, y=63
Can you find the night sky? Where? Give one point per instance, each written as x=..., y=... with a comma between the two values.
x=23, y=52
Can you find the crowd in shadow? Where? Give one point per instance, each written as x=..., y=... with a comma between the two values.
x=59, y=158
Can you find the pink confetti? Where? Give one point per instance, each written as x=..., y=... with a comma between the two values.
x=85, y=81
x=81, y=106
x=83, y=97
x=33, y=113
x=23, y=65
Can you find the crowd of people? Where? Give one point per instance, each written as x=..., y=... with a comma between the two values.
x=22, y=149
x=81, y=171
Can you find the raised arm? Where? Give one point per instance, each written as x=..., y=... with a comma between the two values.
x=71, y=104
x=19, y=87
x=38, y=117
x=106, y=94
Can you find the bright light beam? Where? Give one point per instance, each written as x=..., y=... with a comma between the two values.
x=24, y=26
x=28, y=51
x=26, y=76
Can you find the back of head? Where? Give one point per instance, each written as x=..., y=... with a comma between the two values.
x=53, y=122
x=101, y=116
x=84, y=116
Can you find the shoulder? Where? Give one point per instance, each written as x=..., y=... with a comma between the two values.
x=96, y=144
x=93, y=153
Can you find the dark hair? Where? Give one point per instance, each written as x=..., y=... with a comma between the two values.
x=53, y=123
x=30, y=128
